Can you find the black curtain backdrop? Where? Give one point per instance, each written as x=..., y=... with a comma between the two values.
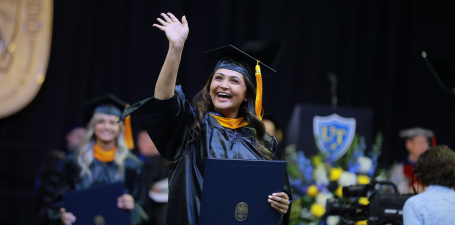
x=99, y=47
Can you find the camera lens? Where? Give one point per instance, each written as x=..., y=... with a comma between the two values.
x=355, y=191
x=335, y=207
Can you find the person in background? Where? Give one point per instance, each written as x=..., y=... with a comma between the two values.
x=417, y=141
x=49, y=171
x=104, y=157
x=436, y=170
x=74, y=136
x=156, y=169
x=273, y=129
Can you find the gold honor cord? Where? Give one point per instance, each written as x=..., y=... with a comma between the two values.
x=128, y=132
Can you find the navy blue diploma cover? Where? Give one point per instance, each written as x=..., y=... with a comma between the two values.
x=236, y=191
x=97, y=204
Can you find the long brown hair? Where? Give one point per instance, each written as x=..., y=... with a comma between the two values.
x=203, y=103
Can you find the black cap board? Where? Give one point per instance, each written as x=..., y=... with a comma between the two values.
x=442, y=71
x=232, y=51
x=108, y=104
x=271, y=52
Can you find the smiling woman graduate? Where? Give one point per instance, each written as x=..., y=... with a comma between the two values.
x=104, y=157
x=223, y=122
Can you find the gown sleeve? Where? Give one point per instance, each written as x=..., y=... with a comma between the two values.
x=286, y=188
x=137, y=185
x=65, y=184
x=171, y=122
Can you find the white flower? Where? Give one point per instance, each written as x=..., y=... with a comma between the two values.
x=320, y=176
x=306, y=214
x=365, y=164
x=333, y=220
x=347, y=178
x=322, y=197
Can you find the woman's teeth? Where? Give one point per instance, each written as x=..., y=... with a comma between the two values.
x=223, y=95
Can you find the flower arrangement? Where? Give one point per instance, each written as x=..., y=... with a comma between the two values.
x=315, y=179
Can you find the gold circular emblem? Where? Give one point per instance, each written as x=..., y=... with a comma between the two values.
x=99, y=220
x=25, y=40
x=241, y=211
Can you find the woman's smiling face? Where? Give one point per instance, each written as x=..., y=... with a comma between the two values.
x=228, y=91
x=107, y=128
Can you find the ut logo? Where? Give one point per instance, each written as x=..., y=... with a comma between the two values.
x=333, y=135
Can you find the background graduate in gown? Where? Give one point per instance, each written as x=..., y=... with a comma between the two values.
x=103, y=158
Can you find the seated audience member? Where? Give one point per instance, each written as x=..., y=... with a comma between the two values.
x=436, y=169
x=417, y=141
x=156, y=168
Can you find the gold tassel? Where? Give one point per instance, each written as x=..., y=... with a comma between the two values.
x=259, y=111
x=128, y=132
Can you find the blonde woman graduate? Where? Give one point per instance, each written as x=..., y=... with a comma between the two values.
x=104, y=157
x=224, y=121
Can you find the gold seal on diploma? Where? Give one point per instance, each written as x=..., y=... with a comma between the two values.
x=99, y=220
x=25, y=41
x=241, y=211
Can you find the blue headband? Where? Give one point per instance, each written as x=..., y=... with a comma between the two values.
x=234, y=64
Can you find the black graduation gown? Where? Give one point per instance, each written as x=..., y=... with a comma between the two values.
x=104, y=173
x=169, y=130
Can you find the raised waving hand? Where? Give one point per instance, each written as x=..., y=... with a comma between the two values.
x=176, y=31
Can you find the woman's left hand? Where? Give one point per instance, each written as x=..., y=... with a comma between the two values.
x=125, y=201
x=280, y=202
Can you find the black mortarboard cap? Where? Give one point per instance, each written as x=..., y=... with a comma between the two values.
x=237, y=60
x=234, y=59
x=442, y=72
x=108, y=104
x=271, y=52
x=111, y=105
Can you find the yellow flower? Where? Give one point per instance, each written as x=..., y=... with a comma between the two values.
x=335, y=174
x=312, y=190
x=363, y=179
x=339, y=191
x=316, y=161
x=363, y=201
x=317, y=210
x=361, y=222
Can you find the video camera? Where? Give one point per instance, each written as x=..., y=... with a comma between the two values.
x=383, y=207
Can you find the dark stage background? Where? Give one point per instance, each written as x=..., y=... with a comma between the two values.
x=374, y=48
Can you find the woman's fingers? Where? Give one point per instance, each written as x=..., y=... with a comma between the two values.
x=280, y=204
x=164, y=23
x=174, y=19
x=184, y=21
x=281, y=194
x=279, y=201
x=67, y=217
x=125, y=202
x=166, y=17
x=159, y=27
x=281, y=210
